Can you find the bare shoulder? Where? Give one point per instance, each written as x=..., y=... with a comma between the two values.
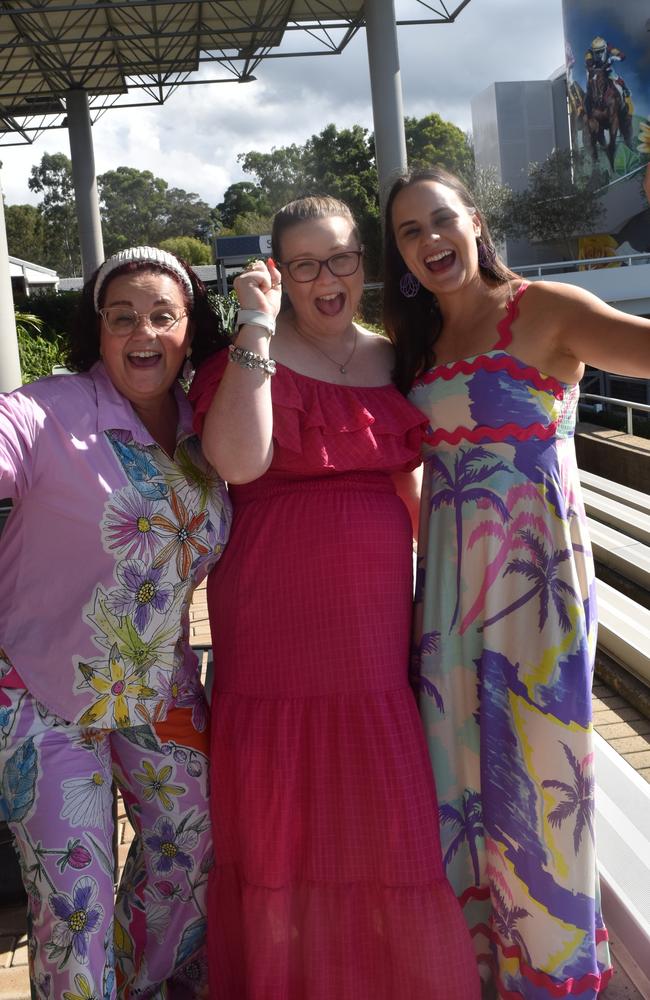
x=559, y=295
x=377, y=343
x=375, y=357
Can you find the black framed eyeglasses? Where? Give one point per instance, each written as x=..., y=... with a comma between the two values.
x=122, y=321
x=341, y=265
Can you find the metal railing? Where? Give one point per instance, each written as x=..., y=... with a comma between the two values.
x=625, y=403
x=585, y=264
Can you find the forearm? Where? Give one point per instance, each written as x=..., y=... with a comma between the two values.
x=237, y=433
x=409, y=488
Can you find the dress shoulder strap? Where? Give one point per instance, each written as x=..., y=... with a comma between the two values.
x=512, y=311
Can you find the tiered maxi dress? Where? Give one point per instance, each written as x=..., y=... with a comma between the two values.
x=505, y=638
x=328, y=879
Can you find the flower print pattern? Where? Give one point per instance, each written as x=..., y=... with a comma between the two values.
x=79, y=917
x=190, y=477
x=171, y=845
x=85, y=800
x=155, y=784
x=185, y=543
x=142, y=593
x=75, y=856
x=114, y=686
x=84, y=991
x=128, y=525
x=165, y=530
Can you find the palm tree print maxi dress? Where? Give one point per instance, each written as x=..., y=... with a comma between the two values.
x=503, y=658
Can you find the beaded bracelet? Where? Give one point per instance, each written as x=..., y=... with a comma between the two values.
x=250, y=360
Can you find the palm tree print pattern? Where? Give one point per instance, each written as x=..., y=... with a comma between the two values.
x=504, y=641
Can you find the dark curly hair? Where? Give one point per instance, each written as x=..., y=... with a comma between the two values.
x=414, y=325
x=83, y=341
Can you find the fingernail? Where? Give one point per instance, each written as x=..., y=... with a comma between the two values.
x=270, y=260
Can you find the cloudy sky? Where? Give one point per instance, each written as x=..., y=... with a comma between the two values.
x=193, y=140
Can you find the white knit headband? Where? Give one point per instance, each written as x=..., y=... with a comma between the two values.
x=151, y=255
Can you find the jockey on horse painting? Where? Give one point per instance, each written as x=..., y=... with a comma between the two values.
x=607, y=100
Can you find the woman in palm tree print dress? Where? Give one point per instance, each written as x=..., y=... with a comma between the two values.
x=505, y=612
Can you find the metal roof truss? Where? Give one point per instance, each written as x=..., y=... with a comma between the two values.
x=129, y=53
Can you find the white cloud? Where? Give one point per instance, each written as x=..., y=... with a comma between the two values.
x=193, y=140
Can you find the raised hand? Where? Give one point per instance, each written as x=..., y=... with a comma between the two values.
x=259, y=286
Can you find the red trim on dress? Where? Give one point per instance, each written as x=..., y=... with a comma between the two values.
x=542, y=980
x=512, y=311
x=485, y=433
x=504, y=362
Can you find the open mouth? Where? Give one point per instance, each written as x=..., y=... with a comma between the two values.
x=144, y=359
x=330, y=305
x=440, y=261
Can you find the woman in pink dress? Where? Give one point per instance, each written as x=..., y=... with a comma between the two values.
x=328, y=882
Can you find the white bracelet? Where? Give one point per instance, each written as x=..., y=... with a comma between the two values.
x=255, y=317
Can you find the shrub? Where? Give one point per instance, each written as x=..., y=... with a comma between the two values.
x=38, y=356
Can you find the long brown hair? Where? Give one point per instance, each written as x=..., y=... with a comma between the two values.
x=414, y=325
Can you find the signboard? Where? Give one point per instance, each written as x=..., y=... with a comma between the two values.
x=238, y=249
x=235, y=251
x=608, y=77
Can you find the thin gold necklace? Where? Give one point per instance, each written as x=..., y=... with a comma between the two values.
x=342, y=366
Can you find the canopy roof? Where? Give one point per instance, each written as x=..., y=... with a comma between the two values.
x=135, y=52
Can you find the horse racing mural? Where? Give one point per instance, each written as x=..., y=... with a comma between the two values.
x=608, y=79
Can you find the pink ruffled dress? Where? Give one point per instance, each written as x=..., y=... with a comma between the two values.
x=328, y=881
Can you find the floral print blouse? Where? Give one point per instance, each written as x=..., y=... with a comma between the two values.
x=107, y=540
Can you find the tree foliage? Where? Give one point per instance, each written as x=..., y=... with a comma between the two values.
x=138, y=207
x=242, y=198
x=52, y=178
x=559, y=204
x=189, y=248
x=25, y=232
x=132, y=205
x=279, y=175
x=340, y=163
x=432, y=140
x=494, y=200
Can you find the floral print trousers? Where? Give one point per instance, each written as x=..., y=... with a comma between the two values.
x=86, y=943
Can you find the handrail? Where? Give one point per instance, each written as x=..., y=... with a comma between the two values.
x=537, y=270
x=626, y=403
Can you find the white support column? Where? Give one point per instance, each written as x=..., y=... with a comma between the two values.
x=386, y=88
x=10, y=377
x=85, y=181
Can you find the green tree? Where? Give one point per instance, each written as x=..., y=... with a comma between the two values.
x=280, y=175
x=495, y=201
x=52, y=178
x=242, y=198
x=250, y=223
x=189, y=248
x=186, y=213
x=133, y=207
x=559, y=205
x=432, y=140
x=341, y=163
x=25, y=233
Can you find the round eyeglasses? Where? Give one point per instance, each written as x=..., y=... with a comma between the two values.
x=341, y=265
x=122, y=321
